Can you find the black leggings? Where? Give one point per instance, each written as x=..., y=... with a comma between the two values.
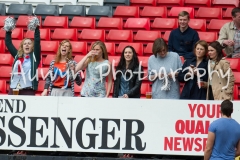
x=210, y=93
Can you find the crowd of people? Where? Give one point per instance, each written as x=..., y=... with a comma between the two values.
x=205, y=72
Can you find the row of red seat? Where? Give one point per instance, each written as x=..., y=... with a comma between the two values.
x=208, y=3
x=106, y=23
x=115, y=39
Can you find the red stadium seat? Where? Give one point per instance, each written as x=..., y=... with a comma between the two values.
x=49, y=47
x=145, y=88
x=79, y=47
x=48, y=59
x=137, y=46
x=126, y=11
x=22, y=21
x=198, y=24
x=234, y=64
x=144, y=61
x=176, y=10
x=62, y=33
x=2, y=19
x=16, y=44
x=197, y=3
x=115, y=58
x=164, y=24
x=17, y=33
x=120, y=36
x=44, y=34
x=209, y=13
x=6, y=59
x=225, y=3
x=110, y=23
x=237, y=78
x=92, y=35
x=147, y=36
x=182, y=59
x=143, y=2
x=170, y=3
x=5, y=72
x=148, y=49
x=55, y=22
x=82, y=23
x=235, y=92
x=228, y=14
x=216, y=24
x=3, y=87
x=43, y=72
x=77, y=89
x=166, y=35
x=208, y=36
x=2, y=46
x=154, y=12
x=41, y=85
x=137, y=23
x=78, y=58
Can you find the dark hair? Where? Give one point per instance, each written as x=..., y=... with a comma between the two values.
x=234, y=11
x=202, y=43
x=183, y=14
x=134, y=62
x=216, y=45
x=227, y=108
x=158, y=45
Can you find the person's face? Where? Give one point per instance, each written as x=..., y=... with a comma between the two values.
x=200, y=51
x=27, y=46
x=236, y=19
x=65, y=48
x=163, y=52
x=128, y=54
x=212, y=53
x=183, y=21
x=97, y=49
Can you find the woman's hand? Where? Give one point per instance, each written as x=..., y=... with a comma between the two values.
x=91, y=54
x=125, y=96
x=44, y=93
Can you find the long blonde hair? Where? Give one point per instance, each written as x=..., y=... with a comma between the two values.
x=20, y=50
x=69, y=54
x=103, y=47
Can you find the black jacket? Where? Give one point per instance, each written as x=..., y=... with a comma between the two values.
x=191, y=89
x=134, y=85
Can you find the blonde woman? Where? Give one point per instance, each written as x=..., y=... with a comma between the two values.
x=26, y=61
x=98, y=68
x=61, y=77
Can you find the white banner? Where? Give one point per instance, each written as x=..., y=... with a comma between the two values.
x=145, y=126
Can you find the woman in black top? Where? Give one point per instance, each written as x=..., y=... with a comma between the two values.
x=129, y=75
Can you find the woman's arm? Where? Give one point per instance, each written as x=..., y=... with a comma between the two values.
x=78, y=78
x=110, y=80
x=37, y=45
x=183, y=72
x=137, y=86
x=9, y=44
x=84, y=62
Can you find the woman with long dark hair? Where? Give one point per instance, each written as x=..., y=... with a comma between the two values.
x=128, y=82
x=221, y=79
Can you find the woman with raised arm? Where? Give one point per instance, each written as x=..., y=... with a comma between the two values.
x=98, y=68
x=194, y=73
x=25, y=65
x=220, y=79
x=61, y=76
x=128, y=82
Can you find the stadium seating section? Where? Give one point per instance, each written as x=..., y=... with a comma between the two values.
x=116, y=22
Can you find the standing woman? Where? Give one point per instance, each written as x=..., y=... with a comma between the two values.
x=160, y=64
x=98, y=68
x=26, y=61
x=63, y=71
x=128, y=83
x=189, y=76
x=221, y=79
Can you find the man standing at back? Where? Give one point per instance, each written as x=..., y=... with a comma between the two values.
x=183, y=39
x=223, y=141
x=229, y=35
